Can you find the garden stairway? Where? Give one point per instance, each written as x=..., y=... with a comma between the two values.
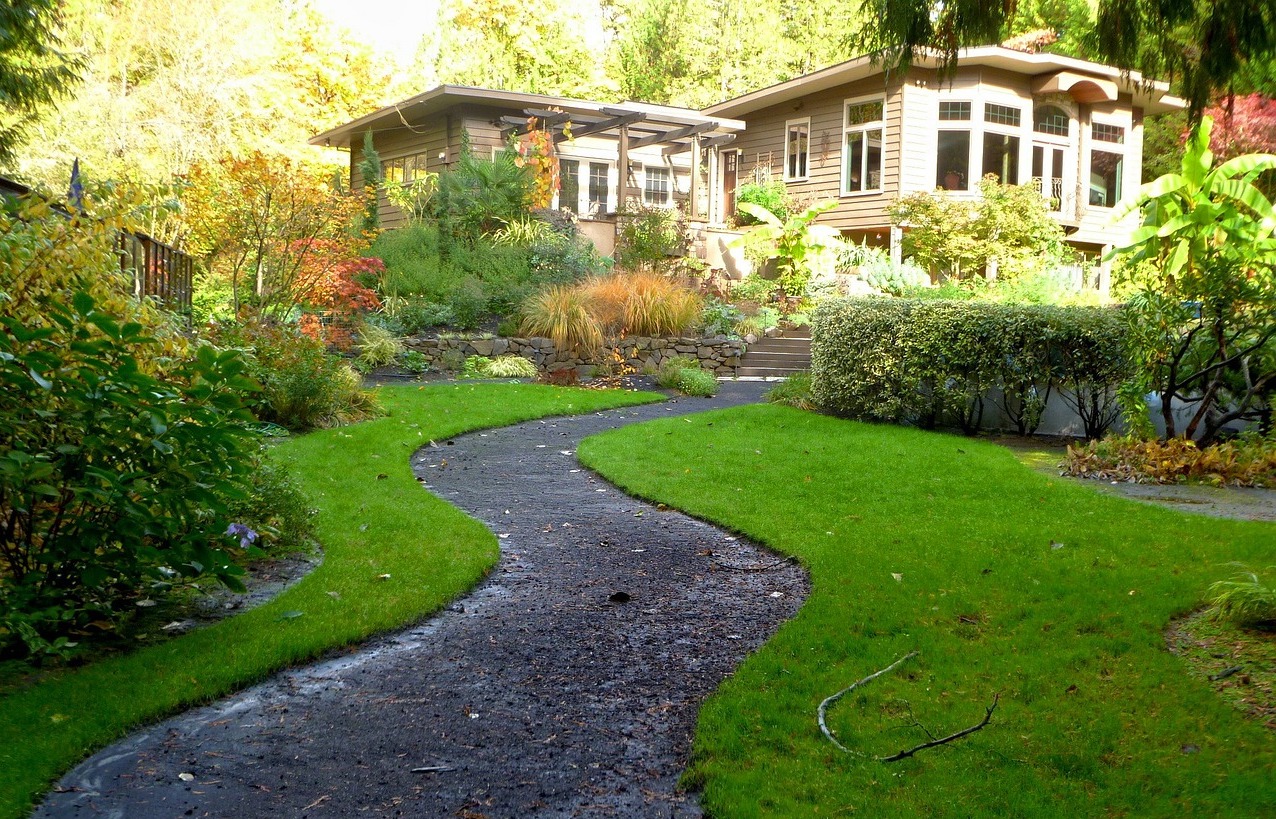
x=777, y=356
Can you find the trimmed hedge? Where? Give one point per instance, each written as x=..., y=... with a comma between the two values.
x=935, y=363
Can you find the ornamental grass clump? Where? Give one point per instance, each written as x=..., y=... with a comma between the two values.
x=581, y=317
x=1244, y=601
x=1245, y=461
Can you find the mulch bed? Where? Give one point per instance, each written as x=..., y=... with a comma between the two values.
x=567, y=684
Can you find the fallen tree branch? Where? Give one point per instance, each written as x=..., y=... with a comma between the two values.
x=943, y=740
x=824, y=705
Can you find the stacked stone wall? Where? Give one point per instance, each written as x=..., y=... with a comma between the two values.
x=719, y=354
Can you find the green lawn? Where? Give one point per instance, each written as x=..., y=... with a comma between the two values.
x=1008, y=582
x=374, y=520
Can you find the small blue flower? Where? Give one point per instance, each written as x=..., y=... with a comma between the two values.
x=246, y=536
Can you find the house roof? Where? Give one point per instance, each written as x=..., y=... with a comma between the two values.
x=655, y=119
x=1150, y=95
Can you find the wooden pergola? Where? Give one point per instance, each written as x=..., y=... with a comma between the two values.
x=634, y=128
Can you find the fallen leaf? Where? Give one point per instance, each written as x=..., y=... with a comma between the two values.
x=186, y=777
x=899, y=578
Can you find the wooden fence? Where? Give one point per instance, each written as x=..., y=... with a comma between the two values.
x=158, y=270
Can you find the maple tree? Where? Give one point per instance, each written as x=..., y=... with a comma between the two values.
x=274, y=221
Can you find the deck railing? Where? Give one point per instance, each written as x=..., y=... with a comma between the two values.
x=158, y=270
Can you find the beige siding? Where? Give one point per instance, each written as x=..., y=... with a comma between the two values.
x=430, y=139
x=762, y=146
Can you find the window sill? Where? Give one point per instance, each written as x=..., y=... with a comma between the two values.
x=791, y=180
x=857, y=194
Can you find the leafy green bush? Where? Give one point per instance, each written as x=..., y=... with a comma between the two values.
x=683, y=373
x=1244, y=601
x=478, y=196
x=773, y=196
x=272, y=506
x=302, y=386
x=649, y=236
x=930, y=362
x=699, y=383
x=411, y=256
x=720, y=317
x=110, y=477
x=468, y=303
x=418, y=316
x=794, y=391
x=414, y=361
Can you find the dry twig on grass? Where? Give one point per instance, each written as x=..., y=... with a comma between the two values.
x=822, y=713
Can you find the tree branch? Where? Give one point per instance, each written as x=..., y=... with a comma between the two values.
x=824, y=705
x=950, y=738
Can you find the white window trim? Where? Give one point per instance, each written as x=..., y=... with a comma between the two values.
x=1024, y=132
x=881, y=182
x=1090, y=145
x=640, y=175
x=971, y=125
x=788, y=125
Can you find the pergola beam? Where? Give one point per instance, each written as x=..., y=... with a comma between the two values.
x=717, y=141
x=617, y=121
x=675, y=134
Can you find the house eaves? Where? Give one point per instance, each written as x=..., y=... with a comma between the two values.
x=406, y=113
x=1151, y=95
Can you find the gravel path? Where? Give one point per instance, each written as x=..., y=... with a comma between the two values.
x=566, y=684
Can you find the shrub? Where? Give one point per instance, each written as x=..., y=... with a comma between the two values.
x=794, y=391
x=411, y=256
x=649, y=236
x=1246, y=461
x=1244, y=601
x=478, y=196
x=468, y=303
x=720, y=318
x=110, y=477
x=378, y=347
x=272, y=506
x=683, y=373
x=415, y=317
x=302, y=386
x=929, y=362
x=510, y=366
x=773, y=196
x=699, y=383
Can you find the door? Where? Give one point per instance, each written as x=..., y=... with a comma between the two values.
x=1048, y=171
x=730, y=171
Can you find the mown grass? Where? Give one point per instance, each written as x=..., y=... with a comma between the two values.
x=373, y=520
x=1009, y=582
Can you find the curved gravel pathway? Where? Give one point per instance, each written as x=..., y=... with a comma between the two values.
x=566, y=684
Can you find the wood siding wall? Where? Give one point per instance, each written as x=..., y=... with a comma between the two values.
x=911, y=133
x=762, y=145
x=441, y=137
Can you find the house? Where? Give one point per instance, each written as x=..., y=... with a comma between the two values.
x=851, y=132
x=658, y=144
x=864, y=137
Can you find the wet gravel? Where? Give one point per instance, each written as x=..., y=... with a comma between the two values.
x=566, y=684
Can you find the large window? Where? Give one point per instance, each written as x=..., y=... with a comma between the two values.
x=599, y=187
x=1001, y=149
x=952, y=155
x=864, y=129
x=569, y=185
x=403, y=169
x=1107, y=164
x=797, y=149
x=655, y=186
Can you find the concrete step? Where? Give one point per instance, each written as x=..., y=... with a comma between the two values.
x=801, y=362
x=766, y=372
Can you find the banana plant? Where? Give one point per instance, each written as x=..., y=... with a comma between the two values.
x=1202, y=322
x=794, y=242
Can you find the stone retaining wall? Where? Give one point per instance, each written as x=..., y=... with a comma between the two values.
x=719, y=354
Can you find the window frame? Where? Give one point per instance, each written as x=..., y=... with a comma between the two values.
x=863, y=128
x=1021, y=133
x=1118, y=149
x=667, y=176
x=966, y=126
x=805, y=155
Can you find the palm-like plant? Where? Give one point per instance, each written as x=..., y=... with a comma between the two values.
x=1203, y=320
x=794, y=242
